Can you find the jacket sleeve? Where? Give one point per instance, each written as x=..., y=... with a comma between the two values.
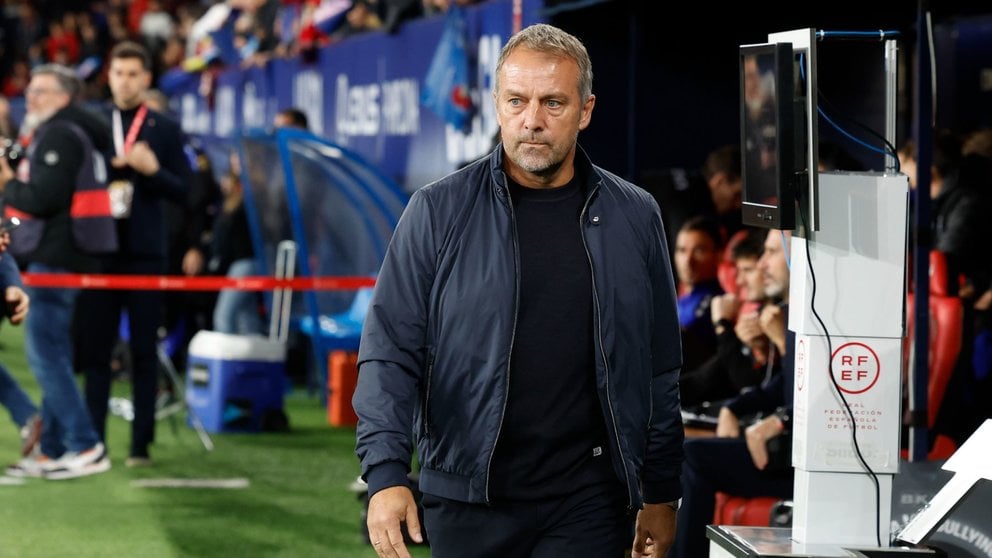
x=661, y=477
x=741, y=370
x=393, y=350
x=54, y=165
x=10, y=276
x=763, y=399
x=174, y=173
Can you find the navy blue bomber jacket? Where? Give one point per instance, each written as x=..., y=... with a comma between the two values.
x=434, y=356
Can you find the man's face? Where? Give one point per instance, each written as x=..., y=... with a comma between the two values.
x=44, y=97
x=128, y=81
x=908, y=167
x=725, y=192
x=695, y=257
x=774, y=267
x=750, y=281
x=540, y=113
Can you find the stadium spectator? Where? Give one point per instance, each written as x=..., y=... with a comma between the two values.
x=697, y=255
x=742, y=359
x=360, y=18
x=291, y=117
x=188, y=226
x=731, y=463
x=8, y=129
x=232, y=254
x=722, y=172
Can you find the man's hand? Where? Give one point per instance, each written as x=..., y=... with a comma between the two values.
x=387, y=509
x=757, y=436
x=654, y=531
x=748, y=329
x=773, y=325
x=16, y=298
x=724, y=307
x=6, y=173
x=140, y=158
x=984, y=302
x=192, y=262
x=727, y=424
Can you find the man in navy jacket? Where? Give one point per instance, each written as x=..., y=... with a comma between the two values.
x=524, y=333
x=148, y=167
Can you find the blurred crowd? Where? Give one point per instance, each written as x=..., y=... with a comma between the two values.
x=183, y=34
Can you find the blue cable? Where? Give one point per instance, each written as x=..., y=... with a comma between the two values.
x=785, y=249
x=821, y=112
x=851, y=137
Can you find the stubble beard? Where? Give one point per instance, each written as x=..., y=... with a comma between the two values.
x=534, y=162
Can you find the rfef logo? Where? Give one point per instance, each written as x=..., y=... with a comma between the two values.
x=855, y=367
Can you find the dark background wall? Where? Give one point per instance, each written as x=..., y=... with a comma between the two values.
x=667, y=87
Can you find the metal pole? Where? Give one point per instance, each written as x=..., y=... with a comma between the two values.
x=891, y=66
x=919, y=434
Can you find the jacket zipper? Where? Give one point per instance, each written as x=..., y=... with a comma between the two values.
x=513, y=335
x=602, y=352
x=425, y=428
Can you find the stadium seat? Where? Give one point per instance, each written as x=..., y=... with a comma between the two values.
x=726, y=272
x=341, y=331
x=736, y=510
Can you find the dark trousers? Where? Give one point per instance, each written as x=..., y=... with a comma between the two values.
x=593, y=522
x=718, y=465
x=99, y=330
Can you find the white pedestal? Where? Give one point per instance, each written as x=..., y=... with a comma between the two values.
x=843, y=508
x=859, y=260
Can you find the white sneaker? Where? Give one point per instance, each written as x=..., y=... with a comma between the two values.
x=75, y=464
x=35, y=465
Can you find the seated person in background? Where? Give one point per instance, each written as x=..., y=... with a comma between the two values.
x=742, y=356
x=697, y=255
x=741, y=465
x=291, y=117
x=230, y=252
x=722, y=172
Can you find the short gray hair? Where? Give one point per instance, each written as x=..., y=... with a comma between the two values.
x=66, y=78
x=551, y=40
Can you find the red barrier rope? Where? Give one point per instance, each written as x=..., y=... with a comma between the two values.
x=182, y=283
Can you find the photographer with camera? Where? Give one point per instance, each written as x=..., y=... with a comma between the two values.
x=759, y=463
x=63, y=150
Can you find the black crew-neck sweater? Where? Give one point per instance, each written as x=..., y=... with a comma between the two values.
x=553, y=438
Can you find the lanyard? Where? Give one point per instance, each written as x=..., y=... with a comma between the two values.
x=122, y=145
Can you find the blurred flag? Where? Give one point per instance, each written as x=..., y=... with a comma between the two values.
x=446, y=87
x=330, y=14
x=223, y=40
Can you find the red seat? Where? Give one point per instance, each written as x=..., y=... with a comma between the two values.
x=736, y=510
x=726, y=272
x=946, y=322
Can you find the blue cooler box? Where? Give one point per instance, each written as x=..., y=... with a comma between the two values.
x=233, y=382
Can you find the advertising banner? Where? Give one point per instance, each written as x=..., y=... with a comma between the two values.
x=365, y=93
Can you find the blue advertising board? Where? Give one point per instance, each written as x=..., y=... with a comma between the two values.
x=365, y=94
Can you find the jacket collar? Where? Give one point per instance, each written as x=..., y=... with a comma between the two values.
x=582, y=163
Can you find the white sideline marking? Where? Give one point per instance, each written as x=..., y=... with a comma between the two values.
x=10, y=481
x=191, y=483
